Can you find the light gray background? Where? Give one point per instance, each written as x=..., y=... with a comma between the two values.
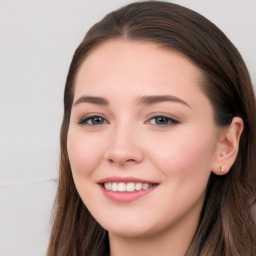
x=37, y=41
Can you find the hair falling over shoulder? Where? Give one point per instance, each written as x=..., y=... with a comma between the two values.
x=226, y=226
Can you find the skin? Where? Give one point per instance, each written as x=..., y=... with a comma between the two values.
x=179, y=157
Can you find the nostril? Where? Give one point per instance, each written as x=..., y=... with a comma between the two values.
x=121, y=161
x=130, y=160
x=124, y=154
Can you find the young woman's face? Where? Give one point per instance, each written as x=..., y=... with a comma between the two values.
x=142, y=139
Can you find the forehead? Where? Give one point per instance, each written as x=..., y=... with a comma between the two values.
x=134, y=52
x=133, y=60
x=123, y=68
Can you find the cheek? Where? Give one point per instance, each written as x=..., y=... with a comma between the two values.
x=185, y=154
x=185, y=162
x=84, y=155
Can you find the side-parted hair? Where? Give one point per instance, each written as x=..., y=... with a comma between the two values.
x=225, y=227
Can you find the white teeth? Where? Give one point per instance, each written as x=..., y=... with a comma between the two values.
x=130, y=187
x=138, y=186
x=107, y=186
x=145, y=186
x=121, y=187
x=126, y=187
x=114, y=186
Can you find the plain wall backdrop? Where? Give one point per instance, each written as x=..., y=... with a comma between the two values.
x=37, y=41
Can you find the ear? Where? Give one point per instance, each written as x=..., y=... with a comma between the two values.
x=228, y=146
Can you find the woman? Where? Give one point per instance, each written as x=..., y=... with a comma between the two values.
x=157, y=141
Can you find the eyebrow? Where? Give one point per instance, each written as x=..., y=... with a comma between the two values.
x=148, y=100
x=93, y=100
x=144, y=100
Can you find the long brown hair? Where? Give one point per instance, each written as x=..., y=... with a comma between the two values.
x=225, y=227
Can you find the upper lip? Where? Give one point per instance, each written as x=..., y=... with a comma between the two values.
x=125, y=179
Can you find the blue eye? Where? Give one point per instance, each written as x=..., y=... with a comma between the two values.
x=162, y=121
x=93, y=120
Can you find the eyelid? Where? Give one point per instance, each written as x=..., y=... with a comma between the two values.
x=87, y=117
x=175, y=119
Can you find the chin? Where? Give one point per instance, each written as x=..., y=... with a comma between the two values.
x=128, y=234
x=127, y=229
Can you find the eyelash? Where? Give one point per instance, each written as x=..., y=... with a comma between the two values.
x=170, y=121
x=84, y=120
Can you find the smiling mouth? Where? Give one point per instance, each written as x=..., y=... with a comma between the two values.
x=127, y=186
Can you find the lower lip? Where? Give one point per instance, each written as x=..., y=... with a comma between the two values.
x=125, y=197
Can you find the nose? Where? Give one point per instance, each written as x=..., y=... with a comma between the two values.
x=124, y=147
